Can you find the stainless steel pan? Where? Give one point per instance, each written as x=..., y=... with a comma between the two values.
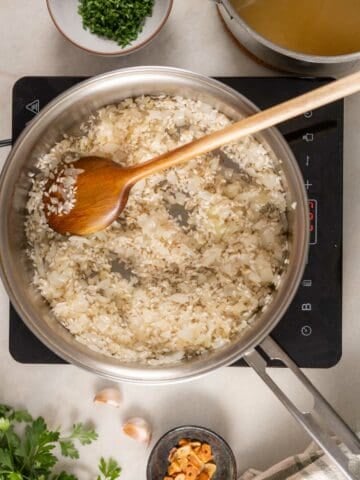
x=64, y=115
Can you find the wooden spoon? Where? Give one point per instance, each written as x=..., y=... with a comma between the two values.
x=103, y=187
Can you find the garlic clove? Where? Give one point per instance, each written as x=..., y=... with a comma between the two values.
x=138, y=429
x=109, y=396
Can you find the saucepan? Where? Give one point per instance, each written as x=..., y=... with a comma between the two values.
x=281, y=57
x=63, y=115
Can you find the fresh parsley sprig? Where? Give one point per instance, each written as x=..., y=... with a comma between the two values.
x=27, y=453
x=109, y=470
x=81, y=433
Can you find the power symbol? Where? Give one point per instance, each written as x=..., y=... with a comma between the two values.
x=306, y=331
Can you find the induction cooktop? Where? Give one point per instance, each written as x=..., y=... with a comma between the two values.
x=310, y=332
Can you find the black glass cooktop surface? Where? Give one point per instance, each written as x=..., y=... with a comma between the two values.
x=310, y=331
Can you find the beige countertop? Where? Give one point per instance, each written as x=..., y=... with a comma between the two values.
x=232, y=401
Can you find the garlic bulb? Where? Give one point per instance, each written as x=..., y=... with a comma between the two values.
x=109, y=396
x=138, y=429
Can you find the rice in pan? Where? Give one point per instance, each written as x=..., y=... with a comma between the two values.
x=198, y=250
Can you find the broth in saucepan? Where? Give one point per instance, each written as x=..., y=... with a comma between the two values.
x=316, y=27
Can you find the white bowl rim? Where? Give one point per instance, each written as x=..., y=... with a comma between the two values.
x=122, y=51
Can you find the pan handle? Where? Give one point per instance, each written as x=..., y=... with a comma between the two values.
x=322, y=422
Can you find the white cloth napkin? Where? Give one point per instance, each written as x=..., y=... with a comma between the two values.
x=312, y=464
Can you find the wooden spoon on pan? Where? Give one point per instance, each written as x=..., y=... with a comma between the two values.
x=103, y=186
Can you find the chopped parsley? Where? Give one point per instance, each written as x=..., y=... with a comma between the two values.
x=118, y=20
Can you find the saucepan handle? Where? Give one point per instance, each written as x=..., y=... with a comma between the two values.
x=223, y=5
x=322, y=423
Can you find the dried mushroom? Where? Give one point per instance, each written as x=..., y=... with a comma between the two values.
x=190, y=460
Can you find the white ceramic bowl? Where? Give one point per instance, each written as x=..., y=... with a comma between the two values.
x=67, y=20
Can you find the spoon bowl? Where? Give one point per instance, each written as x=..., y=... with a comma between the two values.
x=101, y=192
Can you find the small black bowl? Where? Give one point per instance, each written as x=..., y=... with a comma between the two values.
x=223, y=455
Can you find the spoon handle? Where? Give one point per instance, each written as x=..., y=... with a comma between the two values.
x=249, y=125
